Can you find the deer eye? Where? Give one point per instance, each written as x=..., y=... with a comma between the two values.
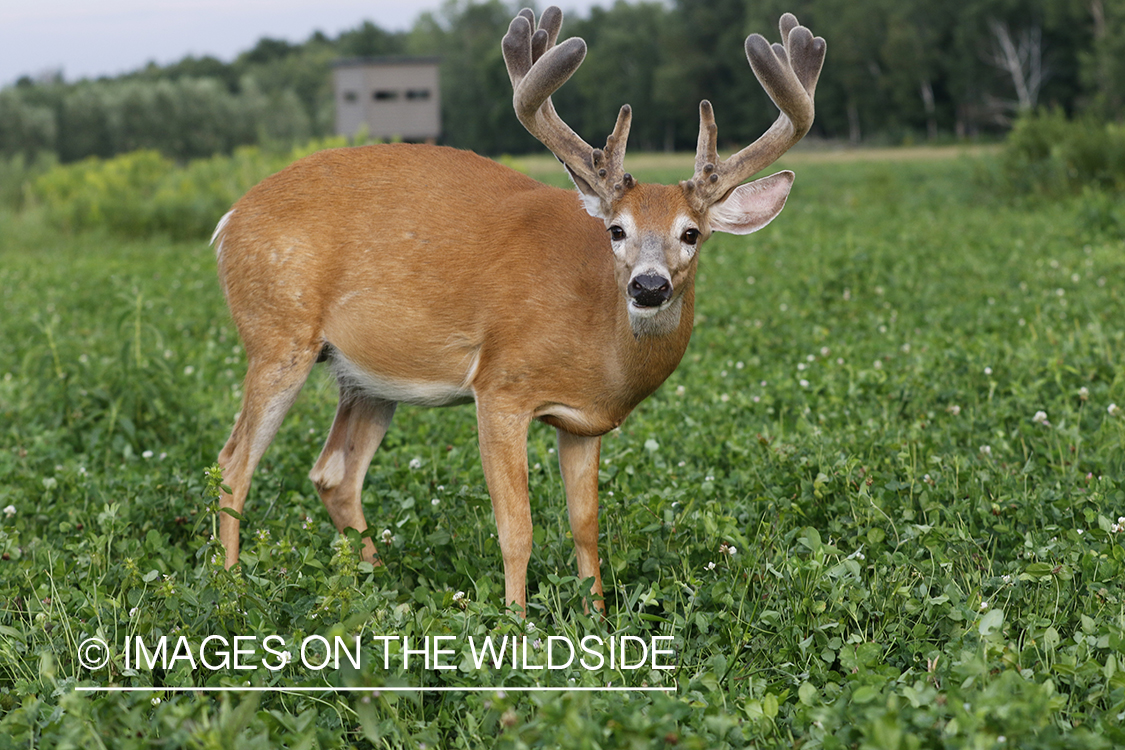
x=690, y=236
x=616, y=233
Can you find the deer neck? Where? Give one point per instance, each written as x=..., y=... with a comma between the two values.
x=650, y=349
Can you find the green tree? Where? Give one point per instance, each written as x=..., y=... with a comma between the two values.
x=476, y=93
x=369, y=40
x=627, y=45
x=1102, y=63
x=25, y=128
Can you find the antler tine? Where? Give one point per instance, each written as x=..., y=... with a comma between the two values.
x=788, y=72
x=537, y=68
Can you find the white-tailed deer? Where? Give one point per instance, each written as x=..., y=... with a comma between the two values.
x=427, y=275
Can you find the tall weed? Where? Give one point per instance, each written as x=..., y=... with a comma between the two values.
x=17, y=172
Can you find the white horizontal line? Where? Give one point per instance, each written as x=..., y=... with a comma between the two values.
x=259, y=689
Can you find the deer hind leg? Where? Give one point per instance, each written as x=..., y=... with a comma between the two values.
x=578, y=462
x=270, y=388
x=357, y=431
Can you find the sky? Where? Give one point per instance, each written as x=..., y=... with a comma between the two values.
x=92, y=38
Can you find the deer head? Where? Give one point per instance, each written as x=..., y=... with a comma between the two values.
x=655, y=231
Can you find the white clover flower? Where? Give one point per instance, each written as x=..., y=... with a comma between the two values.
x=10, y=511
x=679, y=390
x=388, y=537
x=1084, y=393
x=146, y=454
x=988, y=371
x=986, y=450
x=711, y=565
x=983, y=606
x=954, y=409
x=459, y=596
x=1113, y=410
x=435, y=502
x=415, y=463
x=878, y=364
x=189, y=370
x=803, y=383
x=1041, y=418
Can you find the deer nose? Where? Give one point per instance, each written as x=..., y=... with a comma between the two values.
x=650, y=290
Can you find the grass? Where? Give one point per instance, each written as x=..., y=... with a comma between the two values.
x=876, y=507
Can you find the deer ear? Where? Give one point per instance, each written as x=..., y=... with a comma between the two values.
x=591, y=201
x=751, y=206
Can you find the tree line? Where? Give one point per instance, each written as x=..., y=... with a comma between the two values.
x=897, y=71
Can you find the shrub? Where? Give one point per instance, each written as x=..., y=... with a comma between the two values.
x=1048, y=154
x=116, y=192
x=144, y=193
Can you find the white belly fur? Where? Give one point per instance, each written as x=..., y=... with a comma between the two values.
x=421, y=393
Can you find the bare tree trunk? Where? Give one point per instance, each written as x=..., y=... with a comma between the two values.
x=1097, y=10
x=1022, y=60
x=854, y=134
x=1101, y=63
x=928, y=102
